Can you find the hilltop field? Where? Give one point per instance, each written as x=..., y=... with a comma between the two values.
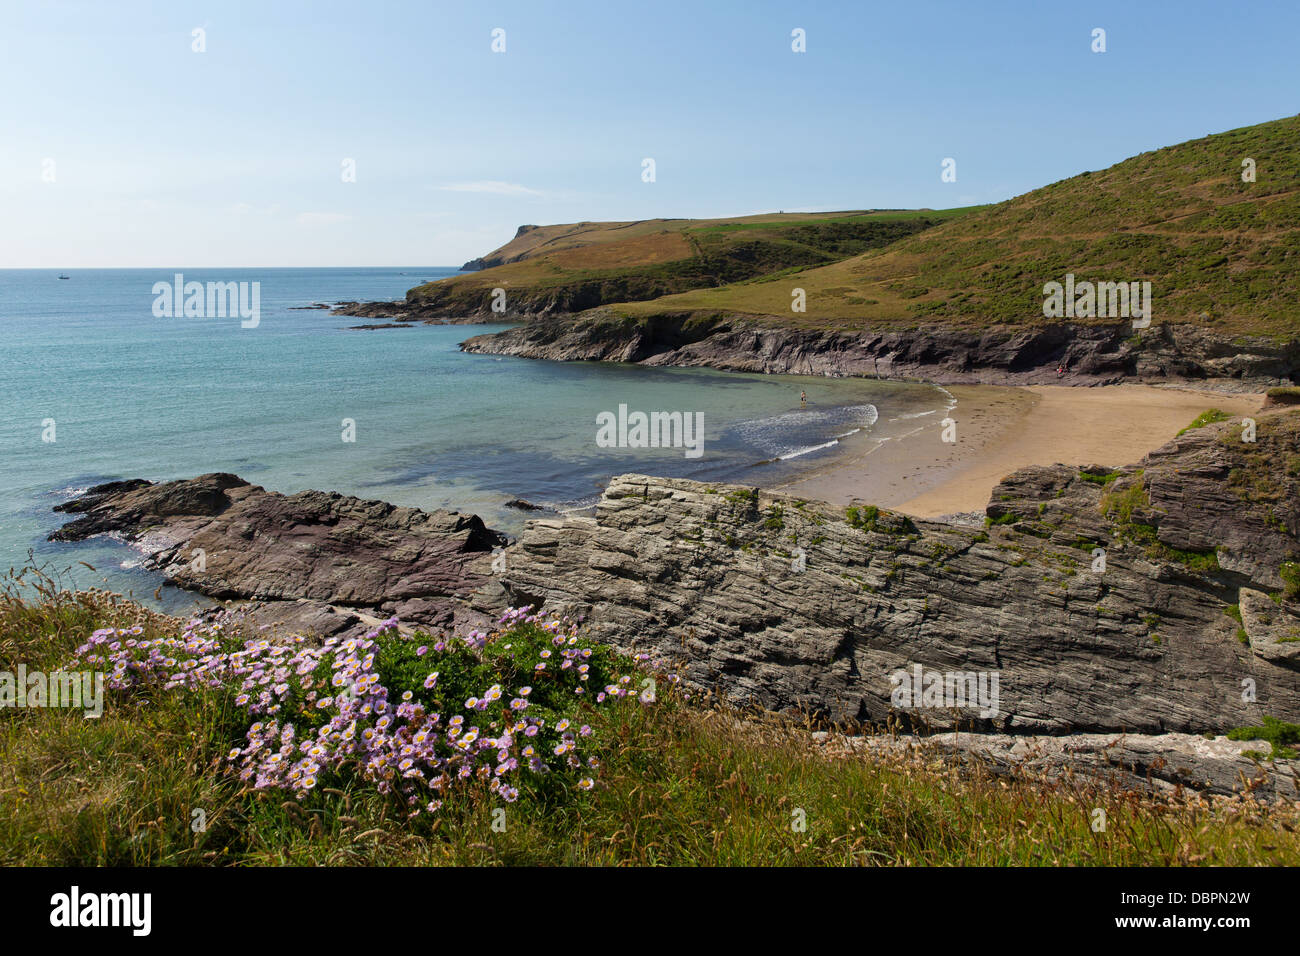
x=571, y=267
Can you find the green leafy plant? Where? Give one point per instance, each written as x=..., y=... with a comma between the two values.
x=1207, y=417
x=1281, y=736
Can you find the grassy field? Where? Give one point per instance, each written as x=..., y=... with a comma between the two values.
x=1218, y=251
x=584, y=265
x=680, y=783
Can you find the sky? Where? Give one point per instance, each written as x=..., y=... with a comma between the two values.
x=121, y=145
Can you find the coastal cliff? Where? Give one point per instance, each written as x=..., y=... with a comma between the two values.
x=1004, y=355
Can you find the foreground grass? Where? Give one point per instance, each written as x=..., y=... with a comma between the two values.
x=680, y=784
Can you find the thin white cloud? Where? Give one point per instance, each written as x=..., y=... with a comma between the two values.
x=493, y=186
x=321, y=218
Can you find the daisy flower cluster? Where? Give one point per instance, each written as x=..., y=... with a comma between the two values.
x=413, y=715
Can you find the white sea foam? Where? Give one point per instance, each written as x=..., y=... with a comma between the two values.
x=809, y=450
x=771, y=435
x=70, y=492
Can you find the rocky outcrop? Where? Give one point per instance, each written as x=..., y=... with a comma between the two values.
x=1101, y=600
x=492, y=260
x=1154, y=762
x=1282, y=397
x=1273, y=632
x=521, y=505
x=401, y=312
x=314, y=558
x=1092, y=354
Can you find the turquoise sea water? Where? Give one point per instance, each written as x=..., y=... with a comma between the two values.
x=133, y=395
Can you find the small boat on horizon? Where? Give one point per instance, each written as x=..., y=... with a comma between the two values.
x=64, y=277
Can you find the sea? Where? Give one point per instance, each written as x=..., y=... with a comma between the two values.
x=96, y=385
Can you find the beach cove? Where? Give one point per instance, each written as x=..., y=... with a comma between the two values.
x=1002, y=428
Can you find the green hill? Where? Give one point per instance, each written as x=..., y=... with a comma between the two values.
x=571, y=267
x=1218, y=251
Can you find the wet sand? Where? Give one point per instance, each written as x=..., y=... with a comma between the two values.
x=1000, y=429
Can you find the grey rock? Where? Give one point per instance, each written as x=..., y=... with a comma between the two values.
x=1273, y=631
x=223, y=537
x=1159, y=763
x=707, y=579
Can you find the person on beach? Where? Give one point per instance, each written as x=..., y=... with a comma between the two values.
x=803, y=399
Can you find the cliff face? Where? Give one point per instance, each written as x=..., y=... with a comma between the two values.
x=787, y=604
x=1003, y=355
x=499, y=257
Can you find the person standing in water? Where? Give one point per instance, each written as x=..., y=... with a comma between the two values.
x=803, y=399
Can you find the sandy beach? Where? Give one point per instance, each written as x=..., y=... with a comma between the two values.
x=1000, y=429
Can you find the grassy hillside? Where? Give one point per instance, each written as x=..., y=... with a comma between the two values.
x=1218, y=251
x=576, y=266
x=677, y=783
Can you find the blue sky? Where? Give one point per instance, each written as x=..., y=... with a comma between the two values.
x=232, y=157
